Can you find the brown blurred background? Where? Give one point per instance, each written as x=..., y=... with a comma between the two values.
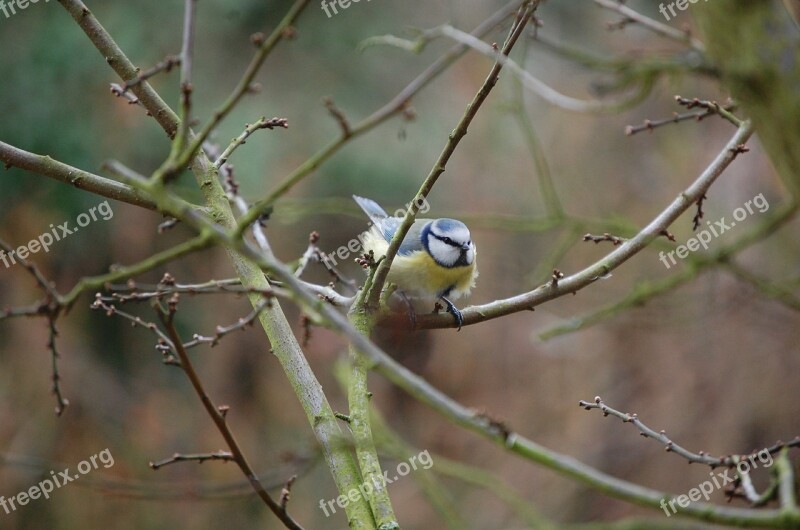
x=713, y=362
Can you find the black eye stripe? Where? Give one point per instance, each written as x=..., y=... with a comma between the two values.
x=447, y=240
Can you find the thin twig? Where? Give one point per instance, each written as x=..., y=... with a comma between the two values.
x=187, y=51
x=182, y=159
x=44, y=284
x=164, y=344
x=339, y=116
x=724, y=111
x=219, y=420
x=312, y=254
x=286, y=491
x=650, y=125
x=222, y=331
x=223, y=456
x=660, y=436
x=261, y=123
x=653, y=25
x=141, y=291
x=698, y=216
x=614, y=240
x=197, y=339
x=166, y=66
x=32, y=311
x=329, y=294
x=50, y=308
x=61, y=401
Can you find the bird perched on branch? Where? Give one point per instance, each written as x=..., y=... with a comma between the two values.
x=436, y=259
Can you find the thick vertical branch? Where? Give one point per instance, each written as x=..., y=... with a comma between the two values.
x=284, y=344
x=359, y=404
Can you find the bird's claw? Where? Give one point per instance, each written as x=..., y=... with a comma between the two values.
x=451, y=308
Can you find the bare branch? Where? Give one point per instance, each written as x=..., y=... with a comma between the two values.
x=614, y=240
x=222, y=425
x=262, y=123
x=44, y=165
x=712, y=107
x=661, y=436
x=187, y=49
x=650, y=125
x=575, y=282
x=164, y=66
x=221, y=331
x=223, y=456
x=653, y=25
x=61, y=401
x=139, y=291
x=339, y=116
x=50, y=309
x=183, y=158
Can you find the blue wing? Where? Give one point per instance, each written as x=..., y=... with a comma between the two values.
x=412, y=242
x=388, y=225
x=372, y=209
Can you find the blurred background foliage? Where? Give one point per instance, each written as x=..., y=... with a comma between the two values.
x=713, y=362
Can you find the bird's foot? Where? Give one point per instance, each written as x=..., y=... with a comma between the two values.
x=451, y=308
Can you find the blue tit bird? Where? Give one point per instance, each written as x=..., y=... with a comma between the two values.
x=436, y=259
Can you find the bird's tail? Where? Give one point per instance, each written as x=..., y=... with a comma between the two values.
x=372, y=209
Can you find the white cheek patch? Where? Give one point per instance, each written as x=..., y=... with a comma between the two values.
x=443, y=253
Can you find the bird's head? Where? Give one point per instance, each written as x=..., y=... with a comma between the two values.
x=449, y=243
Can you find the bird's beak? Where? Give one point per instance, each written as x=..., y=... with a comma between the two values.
x=466, y=246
